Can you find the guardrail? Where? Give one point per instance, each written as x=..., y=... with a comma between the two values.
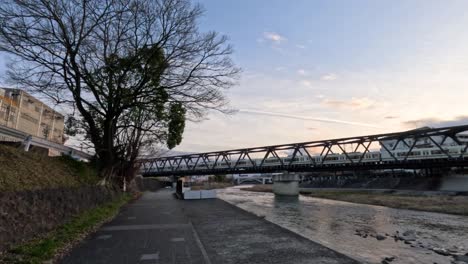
x=21, y=136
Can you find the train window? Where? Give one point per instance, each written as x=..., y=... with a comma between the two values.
x=454, y=151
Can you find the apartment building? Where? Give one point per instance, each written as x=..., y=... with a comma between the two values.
x=22, y=111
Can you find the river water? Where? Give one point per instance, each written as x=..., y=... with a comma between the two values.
x=366, y=233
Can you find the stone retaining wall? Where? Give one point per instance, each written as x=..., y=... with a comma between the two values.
x=26, y=214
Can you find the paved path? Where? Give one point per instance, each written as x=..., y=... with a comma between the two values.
x=160, y=229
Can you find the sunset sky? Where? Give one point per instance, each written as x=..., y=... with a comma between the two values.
x=333, y=68
x=325, y=69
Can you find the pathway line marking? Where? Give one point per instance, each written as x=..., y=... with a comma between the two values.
x=144, y=227
x=200, y=244
x=154, y=256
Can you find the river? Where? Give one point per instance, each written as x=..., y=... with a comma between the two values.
x=366, y=233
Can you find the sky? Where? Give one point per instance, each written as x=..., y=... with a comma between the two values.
x=335, y=68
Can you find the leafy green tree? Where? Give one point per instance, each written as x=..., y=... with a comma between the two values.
x=132, y=70
x=176, y=125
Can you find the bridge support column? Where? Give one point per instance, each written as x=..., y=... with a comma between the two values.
x=174, y=181
x=286, y=184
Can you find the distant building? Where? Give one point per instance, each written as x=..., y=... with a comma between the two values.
x=22, y=111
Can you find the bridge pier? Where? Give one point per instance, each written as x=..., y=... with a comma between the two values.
x=174, y=181
x=286, y=184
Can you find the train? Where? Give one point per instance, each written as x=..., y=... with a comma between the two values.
x=375, y=157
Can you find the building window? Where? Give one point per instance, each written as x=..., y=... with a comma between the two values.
x=29, y=118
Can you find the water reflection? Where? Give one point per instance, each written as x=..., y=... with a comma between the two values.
x=353, y=228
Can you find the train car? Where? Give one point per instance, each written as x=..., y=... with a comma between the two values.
x=418, y=153
x=424, y=153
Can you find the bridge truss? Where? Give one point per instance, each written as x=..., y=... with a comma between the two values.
x=353, y=149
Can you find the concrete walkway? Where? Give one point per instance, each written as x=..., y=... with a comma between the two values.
x=160, y=229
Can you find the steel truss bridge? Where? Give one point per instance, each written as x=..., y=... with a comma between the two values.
x=353, y=149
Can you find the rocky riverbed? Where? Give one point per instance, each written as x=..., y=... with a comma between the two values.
x=371, y=234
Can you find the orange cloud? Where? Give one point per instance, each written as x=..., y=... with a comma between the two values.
x=353, y=103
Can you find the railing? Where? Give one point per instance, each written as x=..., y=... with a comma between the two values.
x=391, y=150
x=20, y=136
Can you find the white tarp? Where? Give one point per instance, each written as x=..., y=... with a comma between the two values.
x=199, y=194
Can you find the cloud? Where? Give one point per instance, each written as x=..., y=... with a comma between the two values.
x=302, y=72
x=391, y=117
x=300, y=46
x=322, y=120
x=280, y=68
x=329, y=77
x=436, y=122
x=306, y=83
x=274, y=37
x=354, y=103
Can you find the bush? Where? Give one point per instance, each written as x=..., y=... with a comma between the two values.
x=220, y=178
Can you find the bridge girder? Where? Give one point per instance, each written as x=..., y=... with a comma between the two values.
x=353, y=149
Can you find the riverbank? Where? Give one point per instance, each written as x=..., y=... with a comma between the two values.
x=28, y=171
x=441, y=203
x=52, y=245
x=49, y=203
x=367, y=233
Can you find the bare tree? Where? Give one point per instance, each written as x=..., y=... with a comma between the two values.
x=133, y=69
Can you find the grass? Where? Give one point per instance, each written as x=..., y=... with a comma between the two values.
x=57, y=241
x=439, y=203
x=448, y=204
x=21, y=171
x=82, y=171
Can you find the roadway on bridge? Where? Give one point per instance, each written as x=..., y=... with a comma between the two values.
x=160, y=229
